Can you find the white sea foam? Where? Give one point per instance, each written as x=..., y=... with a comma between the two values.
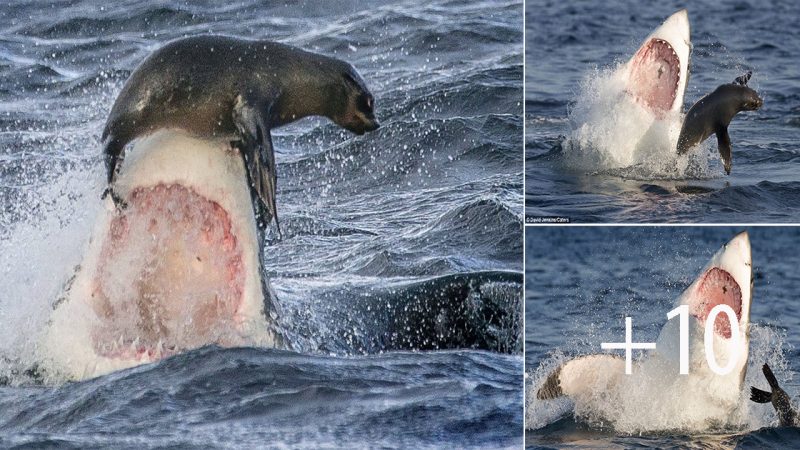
x=611, y=133
x=38, y=253
x=656, y=400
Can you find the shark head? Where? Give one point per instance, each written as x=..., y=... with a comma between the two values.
x=658, y=72
x=726, y=280
x=176, y=269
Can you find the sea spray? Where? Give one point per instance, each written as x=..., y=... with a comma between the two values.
x=611, y=133
x=635, y=413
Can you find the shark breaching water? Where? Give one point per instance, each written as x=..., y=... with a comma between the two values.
x=178, y=268
x=655, y=396
x=626, y=117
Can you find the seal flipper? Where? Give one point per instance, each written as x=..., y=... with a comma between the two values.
x=773, y=382
x=759, y=396
x=112, y=150
x=724, y=146
x=551, y=388
x=118, y=201
x=258, y=154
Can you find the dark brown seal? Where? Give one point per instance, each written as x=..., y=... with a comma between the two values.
x=217, y=86
x=713, y=113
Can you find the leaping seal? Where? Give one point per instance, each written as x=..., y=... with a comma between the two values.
x=778, y=397
x=217, y=86
x=713, y=113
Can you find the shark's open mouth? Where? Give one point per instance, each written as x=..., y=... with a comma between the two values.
x=170, y=275
x=655, y=76
x=718, y=287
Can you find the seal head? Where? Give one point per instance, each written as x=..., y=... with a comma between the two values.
x=327, y=87
x=749, y=99
x=358, y=112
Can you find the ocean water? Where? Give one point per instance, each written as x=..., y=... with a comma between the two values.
x=572, y=47
x=420, y=219
x=582, y=281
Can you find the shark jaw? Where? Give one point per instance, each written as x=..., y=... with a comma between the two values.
x=658, y=72
x=176, y=269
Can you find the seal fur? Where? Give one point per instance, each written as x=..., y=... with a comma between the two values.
x=219, y=86
x=713, y=113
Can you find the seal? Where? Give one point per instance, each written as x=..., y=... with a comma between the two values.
x=219, y=86
x=778, y=397
x=713, y=113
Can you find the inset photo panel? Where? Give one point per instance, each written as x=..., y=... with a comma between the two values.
x=644, y=112
x=661, y=337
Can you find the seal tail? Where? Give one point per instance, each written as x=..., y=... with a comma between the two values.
x=759, y=396
x=773, y=382
x=551, y=388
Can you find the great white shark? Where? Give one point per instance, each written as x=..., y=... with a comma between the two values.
x=178, y=268
x=655, y=395
x=181, y=267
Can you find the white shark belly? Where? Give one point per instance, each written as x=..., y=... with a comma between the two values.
x=177, y=269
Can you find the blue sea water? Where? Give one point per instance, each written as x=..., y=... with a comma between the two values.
x=380, y=232
x=571, y=44
x=582, y=281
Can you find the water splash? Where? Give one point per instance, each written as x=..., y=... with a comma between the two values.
x=611, y=133
x=37, y=255
x=634, y=413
